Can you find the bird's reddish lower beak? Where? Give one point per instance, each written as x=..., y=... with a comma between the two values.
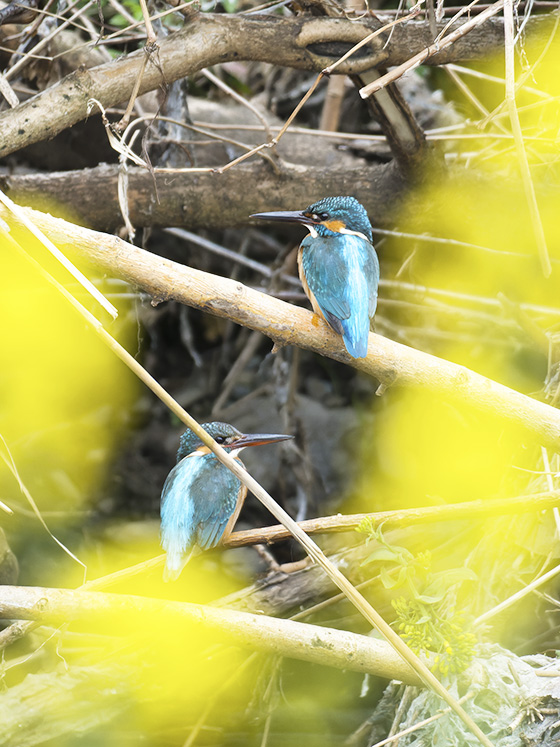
x=256, y=439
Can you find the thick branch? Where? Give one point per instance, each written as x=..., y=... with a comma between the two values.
x=305, y=43
x=91, y=194
x=295, y=640
x=388, y=361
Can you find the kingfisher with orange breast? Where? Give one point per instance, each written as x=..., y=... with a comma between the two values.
x=338, y=266
x=201, y=498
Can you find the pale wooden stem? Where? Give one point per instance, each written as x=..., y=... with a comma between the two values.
x=528, y=186
x=471, y=511
x=312, y=643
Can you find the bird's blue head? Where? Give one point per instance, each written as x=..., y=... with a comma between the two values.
x=227, y=436
x=223, y=433
x=330, y=216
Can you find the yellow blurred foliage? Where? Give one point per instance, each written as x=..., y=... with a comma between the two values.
x=65, y=395
x=421, y=450
x=485, y=203
x=66, y=401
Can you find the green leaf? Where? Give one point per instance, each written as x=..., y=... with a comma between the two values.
x=390, y=580
x=431, y=599
x=455, y=576
x=382, y=554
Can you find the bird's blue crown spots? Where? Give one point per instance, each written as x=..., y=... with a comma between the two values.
x=340, y=212
x=220, y=432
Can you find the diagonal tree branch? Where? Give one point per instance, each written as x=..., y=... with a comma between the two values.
x=390, y=362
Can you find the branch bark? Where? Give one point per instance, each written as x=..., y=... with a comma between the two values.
x=90, y=196
x=390, y=362
x=471, y=510
x=304, y=43
x=295, y=640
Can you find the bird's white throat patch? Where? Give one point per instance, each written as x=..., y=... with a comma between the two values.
x=203, y=450
x=313, y=231
x=348, y=232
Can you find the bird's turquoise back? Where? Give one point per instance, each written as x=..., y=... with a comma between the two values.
x=342, y=272
x=198, y=499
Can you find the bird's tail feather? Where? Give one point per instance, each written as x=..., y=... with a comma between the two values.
x=174, y=564
x=358, y=348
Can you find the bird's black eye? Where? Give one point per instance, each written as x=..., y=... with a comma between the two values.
x=220, y=439
x=323, y=216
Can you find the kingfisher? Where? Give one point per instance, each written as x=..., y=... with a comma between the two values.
x=338, y=266
x=201, y=498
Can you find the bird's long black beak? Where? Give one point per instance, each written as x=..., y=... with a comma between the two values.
x=285, y=216
x=256, y=439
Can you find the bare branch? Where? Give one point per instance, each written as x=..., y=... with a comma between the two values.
x=431, y=50
x=304, y=43
x=471, y=510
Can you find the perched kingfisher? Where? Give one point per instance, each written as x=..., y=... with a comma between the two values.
x=338, y=266
x=201, y=498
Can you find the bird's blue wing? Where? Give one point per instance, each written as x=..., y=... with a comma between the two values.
x=198, y=498
x=342, y=272
x=177, y=518
x=371, y=271
x=220, y=489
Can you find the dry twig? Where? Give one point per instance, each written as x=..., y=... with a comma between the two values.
x=528, y=186
x=431, y=51
x=216, y=39
x=471, y=511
